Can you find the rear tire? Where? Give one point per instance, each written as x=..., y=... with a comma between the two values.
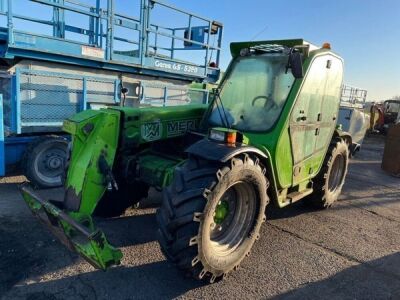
x=211, y=215
x=329, y=182
x=43, y=161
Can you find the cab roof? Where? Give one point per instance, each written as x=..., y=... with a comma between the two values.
x=237, y=46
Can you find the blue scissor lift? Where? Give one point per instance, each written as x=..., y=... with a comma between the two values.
x=58, y=57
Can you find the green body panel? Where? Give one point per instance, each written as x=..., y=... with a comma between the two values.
x=157, y=170
x=139, y=126
x=147, y=141
x=145, y=125
x=94, y=134
x=284, y=156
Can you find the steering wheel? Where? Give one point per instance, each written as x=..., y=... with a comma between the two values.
x=268, y=103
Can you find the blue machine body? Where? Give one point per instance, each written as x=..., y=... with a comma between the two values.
x=2, y=146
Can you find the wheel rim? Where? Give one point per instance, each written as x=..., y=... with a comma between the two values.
x=337, y=173
x=49, y=164
x=234, y=218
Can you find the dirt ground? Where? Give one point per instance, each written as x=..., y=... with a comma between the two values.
x=351, y=251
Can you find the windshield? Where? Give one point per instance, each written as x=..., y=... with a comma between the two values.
x=254, y=93
x=393, y=107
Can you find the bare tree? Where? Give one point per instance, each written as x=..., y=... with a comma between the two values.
x=397, y=97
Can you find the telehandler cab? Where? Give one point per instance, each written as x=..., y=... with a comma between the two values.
x=269, y=134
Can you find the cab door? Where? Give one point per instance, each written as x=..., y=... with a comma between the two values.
x=306, y=119
x=330, y=105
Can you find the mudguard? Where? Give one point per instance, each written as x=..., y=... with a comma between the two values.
x=353, y=147
x=214, y=151
x=343, y=134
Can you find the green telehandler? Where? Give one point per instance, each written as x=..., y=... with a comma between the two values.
x=269, y=134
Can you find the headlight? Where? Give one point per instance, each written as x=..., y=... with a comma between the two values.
x=217, y=135
x=228, y=137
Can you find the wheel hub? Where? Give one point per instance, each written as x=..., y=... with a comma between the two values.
x=233, y=218
x=54, y=162
x=221, y=212
x=49, y=164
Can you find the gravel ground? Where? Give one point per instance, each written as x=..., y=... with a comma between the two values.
x=351, y=251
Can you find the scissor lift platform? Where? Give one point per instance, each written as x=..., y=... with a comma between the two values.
x=112, y=40
x=59, y=57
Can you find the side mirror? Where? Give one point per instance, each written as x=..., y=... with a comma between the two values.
x=296, y=64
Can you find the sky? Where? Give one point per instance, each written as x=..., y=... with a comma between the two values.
x=366, y=33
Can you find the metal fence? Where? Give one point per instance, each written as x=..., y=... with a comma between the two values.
x=45, y=99
x=157, y=95
x=353, y=96
x=37, y=101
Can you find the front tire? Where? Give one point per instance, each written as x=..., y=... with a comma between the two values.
x=329, y=182
x=211, y=215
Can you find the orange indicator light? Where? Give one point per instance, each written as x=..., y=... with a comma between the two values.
x=326, y=46
x=231, y=137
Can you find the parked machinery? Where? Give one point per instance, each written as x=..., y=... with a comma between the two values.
x=269, y=134
x=391, y=113
x=352, y=116
x=52, y=69
x=384, y=115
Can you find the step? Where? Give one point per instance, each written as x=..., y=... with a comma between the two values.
x=296, y=196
